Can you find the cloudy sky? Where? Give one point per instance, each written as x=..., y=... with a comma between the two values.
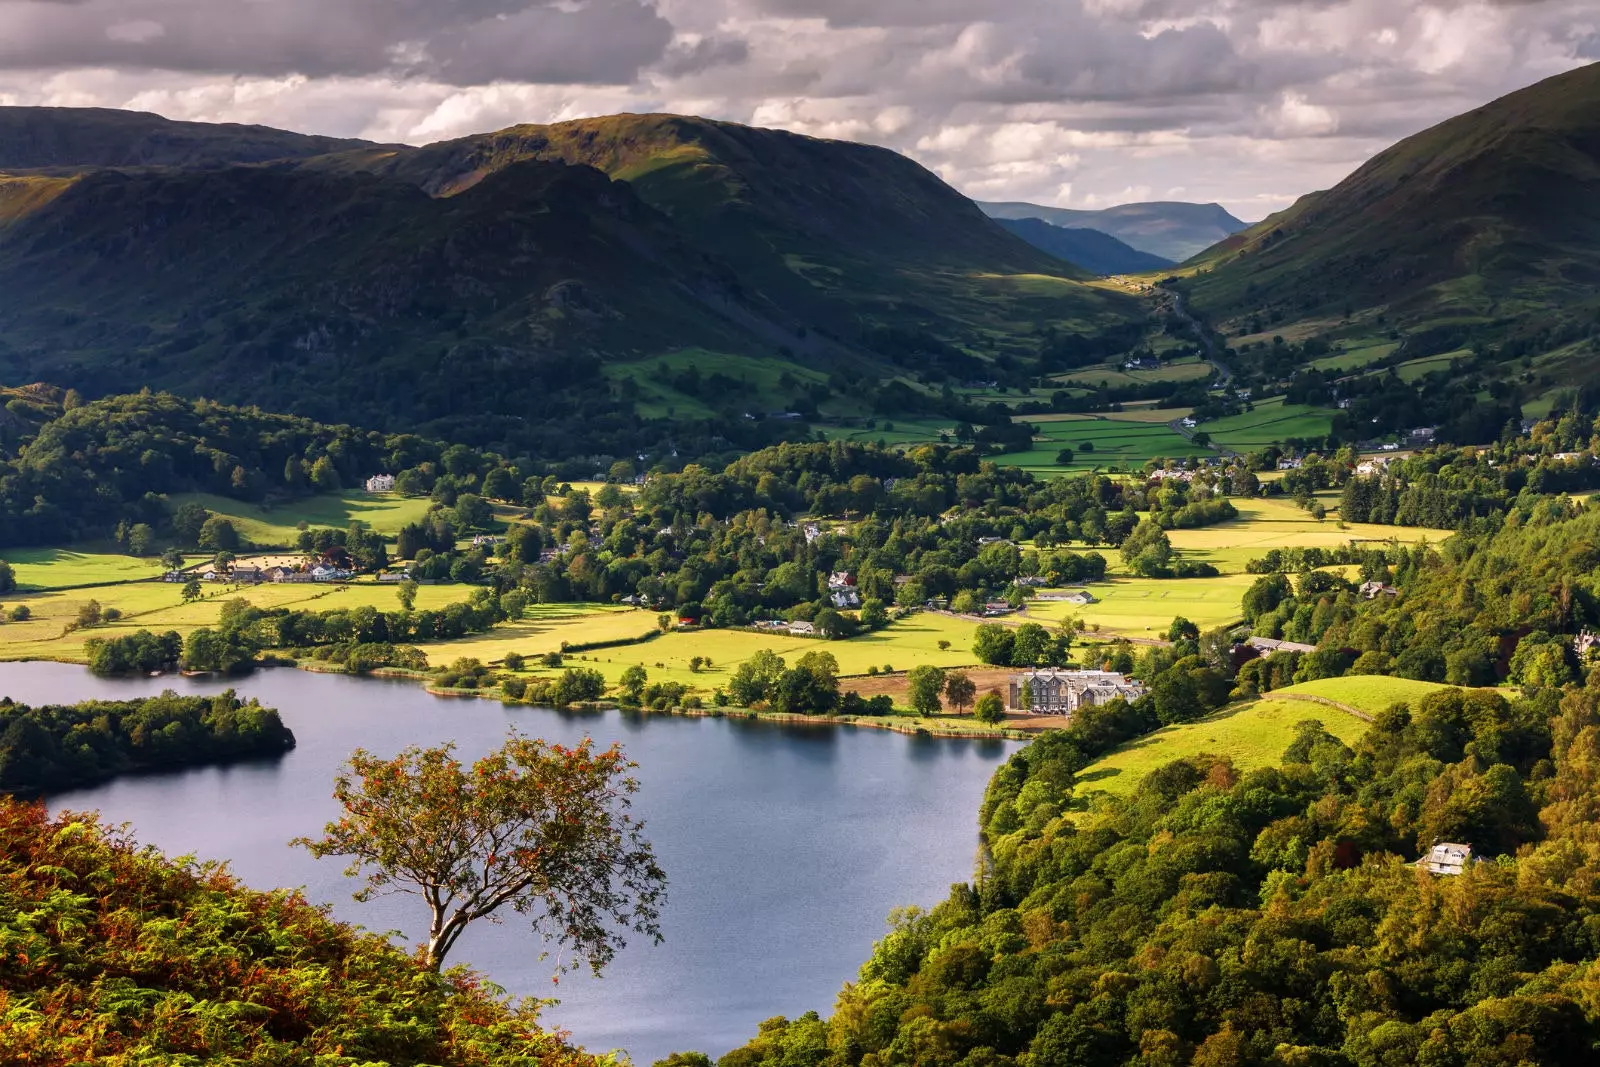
x=1077, y=103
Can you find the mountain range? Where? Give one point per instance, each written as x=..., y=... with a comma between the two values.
x=1485, y=227
x=1099, y=253
x=535, y=285
x=1173, y=230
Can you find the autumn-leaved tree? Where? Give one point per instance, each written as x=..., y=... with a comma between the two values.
x=540, y=829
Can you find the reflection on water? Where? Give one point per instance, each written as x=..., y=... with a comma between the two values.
x=785, y=846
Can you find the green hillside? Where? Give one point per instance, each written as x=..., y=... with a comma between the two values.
x=1470, y=229
x=866, y=248
x=501, y=289
x=357, y=299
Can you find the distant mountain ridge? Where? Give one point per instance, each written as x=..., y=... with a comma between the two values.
x=1099, y=253
x=47, y=138
x=1173, y=230
x=504, y=287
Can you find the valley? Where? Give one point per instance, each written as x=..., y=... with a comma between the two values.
x=1243, y=580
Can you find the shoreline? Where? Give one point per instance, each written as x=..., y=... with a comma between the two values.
x=915, y=728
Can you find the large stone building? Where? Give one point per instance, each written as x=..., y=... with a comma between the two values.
x=1053, y=691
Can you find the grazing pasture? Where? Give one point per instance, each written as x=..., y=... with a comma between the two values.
x=1253, y=734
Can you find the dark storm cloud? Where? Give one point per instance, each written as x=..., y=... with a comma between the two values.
x=462, y=42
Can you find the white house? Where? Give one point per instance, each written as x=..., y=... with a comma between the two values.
x=802, y=629
x=812, y=532
x=1189, y=422
x=840, y=580
x=845, y=599
x=1082, y=597
x=1447, y=858
x=380, y=483
x=1269, y=645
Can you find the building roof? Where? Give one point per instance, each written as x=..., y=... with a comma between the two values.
x=1447, y=857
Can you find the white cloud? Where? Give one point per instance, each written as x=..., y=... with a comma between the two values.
x=1072, y=102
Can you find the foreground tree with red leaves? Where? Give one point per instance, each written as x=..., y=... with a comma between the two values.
x=541, y=829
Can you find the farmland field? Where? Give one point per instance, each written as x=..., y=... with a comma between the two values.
x=1414, y=370
x=1125, y=443
x=60, y=568
x=1112, y=375
x=1360, y=354
x=1271, y=421
x=278, y=527
x=1145, y=607
x=658, y=398
x=159, y=606
x=1252, y=735
x=1370, y=692
x=1129, y=413
x=1266, y=523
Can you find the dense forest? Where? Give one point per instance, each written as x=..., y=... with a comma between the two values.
x=117, y=937
x=1273, y=918
x=57, y=747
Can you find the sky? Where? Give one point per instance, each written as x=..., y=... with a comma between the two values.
x=1071, y=103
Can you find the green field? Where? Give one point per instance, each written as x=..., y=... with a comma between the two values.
x=1357, y=354
x=1116, y=442
x=1145, y=607
x=1271, y=422
x=60, y=568
x=891, y=431
x=1266, y=523
x=1252, y=735
x=1371, y=693
x=759, y=374
x=159, y=606
x=1113, y=376
x=1414, y=370
x=278, y=526
x=905, y=643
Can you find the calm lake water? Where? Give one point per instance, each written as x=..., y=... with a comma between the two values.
x=786, y=847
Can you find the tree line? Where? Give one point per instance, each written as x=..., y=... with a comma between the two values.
x=56, y=747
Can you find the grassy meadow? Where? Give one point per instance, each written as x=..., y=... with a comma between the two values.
x=385, y=513
x=1270, y=422
x=1112, y=441
x=1253, y=734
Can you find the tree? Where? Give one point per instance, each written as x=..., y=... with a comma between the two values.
x=756, y=678
x=8, y=577
x=219, y=534
x=632, y=683
x=324, y=475
x=542, y=829
x=188, y=521
x=172, y=559
x=993, y=643
x=925, y=684
x=1064, y=458
x=191, y=590
x=1182, y=630
x=141, y=538
x=407, y=592
x=991, y=708
x=959, y=690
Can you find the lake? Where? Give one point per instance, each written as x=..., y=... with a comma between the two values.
x=785, y=846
